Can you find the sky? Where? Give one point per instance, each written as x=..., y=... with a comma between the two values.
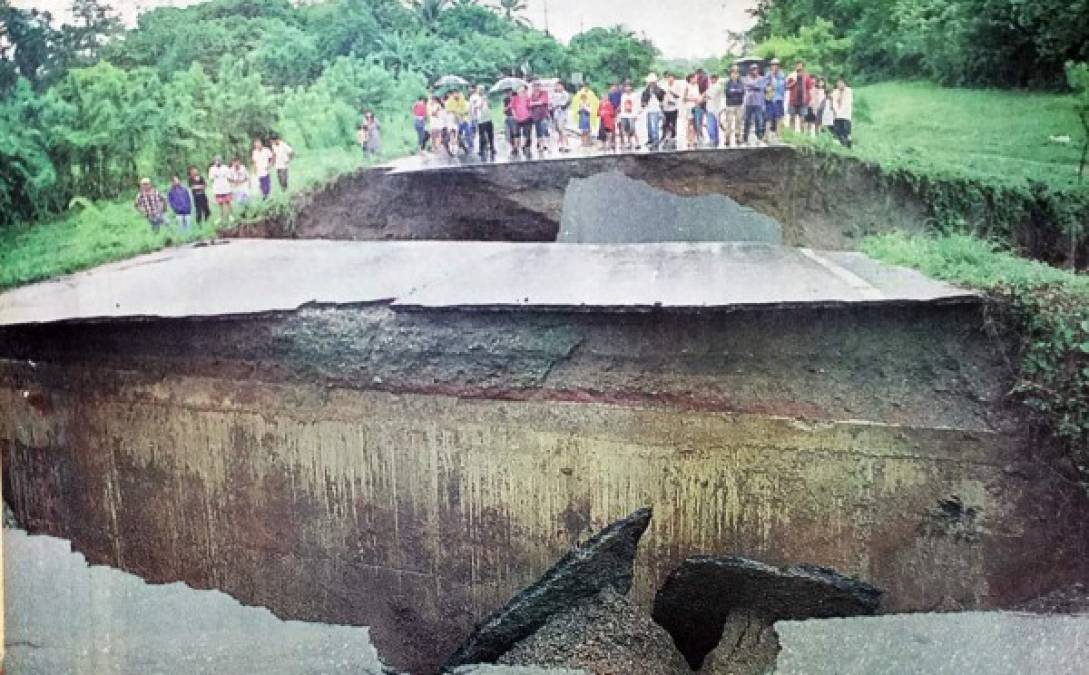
x=685, y=29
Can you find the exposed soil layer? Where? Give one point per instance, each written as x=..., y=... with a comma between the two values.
x=410, y=470
x=524, y=201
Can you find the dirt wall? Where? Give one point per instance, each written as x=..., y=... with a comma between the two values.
x=410, y=470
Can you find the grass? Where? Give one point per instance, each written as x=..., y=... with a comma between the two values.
x=1000, y=137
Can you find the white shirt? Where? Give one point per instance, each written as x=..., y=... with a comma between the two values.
x=261, y=160
x=714, y=97
x=843, y=101
x=673, y=97
x=283, y=153
x=624, y=101
x=653, y=104
x=221, y=179
x=479, y=110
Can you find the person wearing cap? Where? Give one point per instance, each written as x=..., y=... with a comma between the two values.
x=775, y=97
x=652, y=104
x=755, y=104
x=151, y=204
x=220, y=175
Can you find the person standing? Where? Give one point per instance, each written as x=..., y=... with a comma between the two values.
x=538, y=108
x=436, y=116
x=651, y=101
x=523, y=118
x=816, y=107
x=180, y=204
x=151, y=204
x=586, y=103
x=714, y=97
x=240, y=183
x=733, y=113
x=457, y=119
x=282, y=154
x=694, y=111
x=843, y=107
x=607, y=116
x=373, y=145
x=800, y=88
x=775, y=97
x=480, y=111
x=262, y=160
x=755, y=105
x=200, y=196
x=613, y=97
x=419, y=122
x=559, y=102
x=670, y=111
x=827, y=119
x=629, y=118
x=220, y=176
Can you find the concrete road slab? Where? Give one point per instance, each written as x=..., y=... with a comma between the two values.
x=65, y=617
x=255, y=276
x=988, y=643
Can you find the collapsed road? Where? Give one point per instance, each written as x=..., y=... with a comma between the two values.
x=401, y=434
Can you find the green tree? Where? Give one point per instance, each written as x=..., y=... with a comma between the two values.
x=285, y=56
x=605, y=55
x=29, y=47
x=27, y=175
x=511, y=10
x=94, y=24
x=428, y=12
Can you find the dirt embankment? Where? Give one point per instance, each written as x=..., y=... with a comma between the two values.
x=822, y=201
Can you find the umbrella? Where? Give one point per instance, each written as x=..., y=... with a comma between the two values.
x=549, y=81
x=746, y=61
x=509, y=84
x=451, y=81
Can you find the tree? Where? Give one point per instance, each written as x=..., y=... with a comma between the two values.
x=26, y=170
x=94, y=24
x=429, y=11
x=29, y=47
x=511, y=9
x=606, y=55
x=1077, y=75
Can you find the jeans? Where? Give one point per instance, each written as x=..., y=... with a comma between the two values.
x=654, y=128
x=541, y=129
x=200, y=203
x=266, y=185
x=185, y=221
x=512, y=133
x=465, y=131
x=753, y=114
x=698, y=114
x=421, y=133
x=525, y=133
x=712, y=128
x=486, y=133
x=156, y=222
x=281, y=174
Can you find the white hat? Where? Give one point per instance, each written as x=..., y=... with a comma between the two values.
x=652, y=78
x=145, y=181
x=775, y=62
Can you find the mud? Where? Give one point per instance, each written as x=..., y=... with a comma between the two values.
x=524, y=201
x=410, y=470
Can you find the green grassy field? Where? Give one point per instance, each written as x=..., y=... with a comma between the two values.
x=996, y=136
x=112, y=230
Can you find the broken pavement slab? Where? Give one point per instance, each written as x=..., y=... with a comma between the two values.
x=245, y=277
x=611, y=208
x=706, y=595
x=605, y=561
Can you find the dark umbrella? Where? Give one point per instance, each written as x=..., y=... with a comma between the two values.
x=509, y=84
x=744, y=62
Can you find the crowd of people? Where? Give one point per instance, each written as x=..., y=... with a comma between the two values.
x=701, y=110
x=230, y=187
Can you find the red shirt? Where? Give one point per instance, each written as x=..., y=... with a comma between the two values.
x=519, y=107
x=419, y=109
x=607, y=114
x=801, y=90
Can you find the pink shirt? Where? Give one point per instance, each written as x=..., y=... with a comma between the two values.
x=519, y=106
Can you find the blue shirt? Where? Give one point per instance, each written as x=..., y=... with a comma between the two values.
x=779, y=82
x=179, y=200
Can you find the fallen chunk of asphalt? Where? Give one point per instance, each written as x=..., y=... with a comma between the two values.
x=694, y=603
x=605, y=561
x=607, y=635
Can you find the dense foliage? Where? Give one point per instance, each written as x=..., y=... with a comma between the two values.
x=88, y=107
x=1048, y=312
x=961, y=42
